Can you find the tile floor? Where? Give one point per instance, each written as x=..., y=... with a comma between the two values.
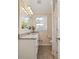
x=45, y=52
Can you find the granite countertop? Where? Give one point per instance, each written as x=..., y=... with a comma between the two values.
x=28, y=36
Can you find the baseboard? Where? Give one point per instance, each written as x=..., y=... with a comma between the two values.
x=45, y=45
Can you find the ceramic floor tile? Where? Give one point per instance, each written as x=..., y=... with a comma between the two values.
x=45, y=52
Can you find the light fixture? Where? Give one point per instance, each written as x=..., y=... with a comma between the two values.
x=24, y=11
x=27, y=9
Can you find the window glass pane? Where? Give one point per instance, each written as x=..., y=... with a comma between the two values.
x=25, y=21
x=41, y=23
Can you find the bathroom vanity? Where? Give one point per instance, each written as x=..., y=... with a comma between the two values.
x=28, y=46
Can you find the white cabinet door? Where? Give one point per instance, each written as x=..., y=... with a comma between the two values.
x=27, y=49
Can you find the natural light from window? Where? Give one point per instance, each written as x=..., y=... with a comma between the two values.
x=41, y=23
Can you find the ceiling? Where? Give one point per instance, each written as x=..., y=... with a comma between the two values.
x=40, y=6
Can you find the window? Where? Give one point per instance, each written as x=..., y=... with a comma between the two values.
x=25, y=21
x=41, y=23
